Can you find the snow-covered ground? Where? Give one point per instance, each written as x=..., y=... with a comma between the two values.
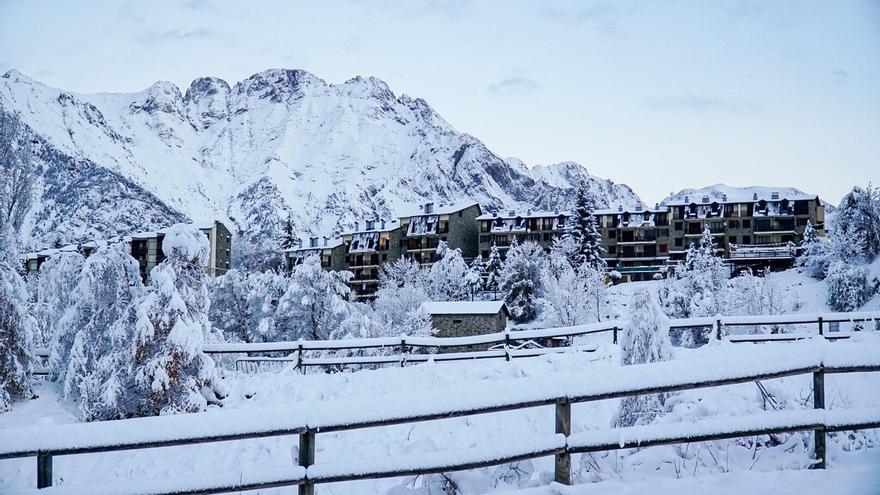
x=721, y=467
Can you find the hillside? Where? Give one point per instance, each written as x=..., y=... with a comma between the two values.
x=279, y=142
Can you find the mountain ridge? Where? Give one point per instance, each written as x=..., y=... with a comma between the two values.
x=280, y=143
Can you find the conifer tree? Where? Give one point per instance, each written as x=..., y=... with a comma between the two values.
x=172, y=372
x=814, y=253
x=644, y=339
x=585, y=233
x=521, y=280
x=493, y=271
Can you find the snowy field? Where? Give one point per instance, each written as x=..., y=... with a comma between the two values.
x=774, y=464
x=664, y=465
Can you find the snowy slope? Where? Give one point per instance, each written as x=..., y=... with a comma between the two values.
x=279, y=141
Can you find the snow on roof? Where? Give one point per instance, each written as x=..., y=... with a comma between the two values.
x=305, y=244
x=463, y=307
x=377, y=226
x=510, y=214
x=438, y=208
x=617, y=209
x=720, y=193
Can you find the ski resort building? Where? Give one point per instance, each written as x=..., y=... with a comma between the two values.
x=146, y=248
x=501, y=228
x=636, y=240
x=455, y=224
x=367, y=248
x=466, y=318
x=759, y=230
x=329, y=249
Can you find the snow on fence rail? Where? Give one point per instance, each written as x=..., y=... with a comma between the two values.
x=737, y=365
x=508, y=339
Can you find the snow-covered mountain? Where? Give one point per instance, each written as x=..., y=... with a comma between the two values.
x=279, y=143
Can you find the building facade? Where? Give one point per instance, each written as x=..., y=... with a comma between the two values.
x=455, y=224
x=466, y=318
x=146, y=248
x=501, y=228
x=635, y=240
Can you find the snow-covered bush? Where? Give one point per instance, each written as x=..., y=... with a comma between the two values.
x=315, y=303
x=815, y=253
x=644, y=339
x=694, y=289
x=448, y=277
x=521, y=280
x=475, y=275
x=172, y=373
x=97, y=372
x=570, y=296
x=244, y=305
x=849, y=287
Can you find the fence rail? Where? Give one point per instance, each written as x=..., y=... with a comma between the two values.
x=449, y=348
x=46, y=442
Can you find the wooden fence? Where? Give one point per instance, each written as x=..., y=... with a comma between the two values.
x=507, y=345
x=45, y=443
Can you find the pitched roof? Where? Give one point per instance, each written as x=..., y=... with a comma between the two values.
x=464, y=307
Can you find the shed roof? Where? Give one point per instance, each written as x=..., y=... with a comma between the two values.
x=464, y=308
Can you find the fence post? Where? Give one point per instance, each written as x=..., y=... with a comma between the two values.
x=299, y=360
x=402, y=352
x=44, y=469
x=718, y=329
x=821, y=327
x=563, y=460
x=306, y=459
x=615, y=334
x=819, y=403
x=506, y=345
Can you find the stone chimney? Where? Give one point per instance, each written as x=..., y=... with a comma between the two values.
x=357, y=226
x=383, y=224
x=755, y=196
x=619, y=207
x=429, y=208
x=705, y=199
x=313, y=242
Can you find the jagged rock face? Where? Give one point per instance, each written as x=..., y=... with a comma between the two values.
x=279, y=143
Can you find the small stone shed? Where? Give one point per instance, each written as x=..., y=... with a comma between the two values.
x=464, y=318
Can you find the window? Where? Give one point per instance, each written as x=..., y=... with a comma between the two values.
x=678, y=242
x=662, y=232
x=459, y=214
x=747, y=224
x=457, y=322
x=802, y=222
x=612, y=234
x=733, y=239
x=733, y=224
x=612, y=249
x=664, y=248
x=679, y=226
x=801, y=207
x=746, y=239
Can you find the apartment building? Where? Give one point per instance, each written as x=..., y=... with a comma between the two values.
x=369, y=246
x=146, y=248
x=635, y=240
x=501, y=228
x=456, y=224
x=329, y=249
x=752, y=230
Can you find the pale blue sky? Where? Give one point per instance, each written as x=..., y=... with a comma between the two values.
x=658, y=95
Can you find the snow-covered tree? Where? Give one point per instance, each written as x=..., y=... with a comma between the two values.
x=244, y=305
x=565, y=298
x=596, y=284
x=56, y=284
x=401, y=293
x=172, y=373
x=849, y=286
x=814, y=255
x=403, y=271
x=856, y=234
x=448, y=276
x=493, y=270
x=585, y=234
x=288, y=237
x=16, y=325
x=695, y=285
x=97, y=371
x=521, y=280
x=475, y=276
x=644, y=339
x=315, y=303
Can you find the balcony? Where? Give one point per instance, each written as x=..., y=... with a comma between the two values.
x=784, y=250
